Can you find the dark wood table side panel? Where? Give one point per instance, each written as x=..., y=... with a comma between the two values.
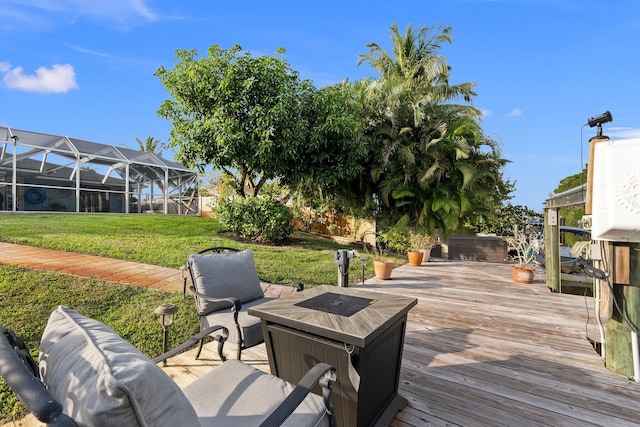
x=346, y=398
x=269, y=347
x=303, y=351
x=378, y=387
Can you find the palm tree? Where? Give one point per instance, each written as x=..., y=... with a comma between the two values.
x=429, y=158
x=417, y=67
x=151, y=145
x=155, y=147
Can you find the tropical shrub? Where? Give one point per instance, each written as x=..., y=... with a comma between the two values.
x=396, y=240
x=255, y=218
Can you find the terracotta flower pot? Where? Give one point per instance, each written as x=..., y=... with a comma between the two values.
x=522, y=274
x=383, y=269
x=426, y=254
x=415, y=258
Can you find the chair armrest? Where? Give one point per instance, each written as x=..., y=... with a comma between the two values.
x=235, y=302
x=322, y=374
x=26, y=385
x=193, y=341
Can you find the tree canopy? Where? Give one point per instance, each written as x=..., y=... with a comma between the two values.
x=430, y=165
x=254, y=119
x=572, y=181
x=571, y=215
x=505, y=221
x=406, y=148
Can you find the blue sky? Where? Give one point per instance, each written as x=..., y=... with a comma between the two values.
x=85, y=69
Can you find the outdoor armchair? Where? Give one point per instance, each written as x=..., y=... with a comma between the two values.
x=225, y=285
x=88, y=376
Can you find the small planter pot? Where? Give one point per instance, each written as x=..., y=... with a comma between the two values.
x=383, y=269
x=522, y=274
x=426, y=254
x=415, y=258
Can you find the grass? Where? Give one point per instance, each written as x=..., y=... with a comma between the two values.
x=167, y=240
x=28, y=296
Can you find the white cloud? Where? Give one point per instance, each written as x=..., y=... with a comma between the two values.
x=515, y=113
x=622, y=132
x=47, y=14
x=485, y=113
x=59, y=78
x=88, y=51
x=143, y=10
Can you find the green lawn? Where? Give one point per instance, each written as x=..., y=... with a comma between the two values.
x=167, y=240
x=28, y=296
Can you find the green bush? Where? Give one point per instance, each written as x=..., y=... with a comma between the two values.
x=255, y=218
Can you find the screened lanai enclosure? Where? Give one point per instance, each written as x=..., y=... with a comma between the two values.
x=51, y=173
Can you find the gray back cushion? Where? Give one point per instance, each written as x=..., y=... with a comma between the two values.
x=102, y=380
x=224, y=275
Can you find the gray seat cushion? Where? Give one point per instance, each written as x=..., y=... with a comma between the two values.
x=102, y=380
x=224, y=275
x=250, y=327
x=235, y=394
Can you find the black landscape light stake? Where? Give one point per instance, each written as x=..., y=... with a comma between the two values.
x=166, y=312
x=363, y=260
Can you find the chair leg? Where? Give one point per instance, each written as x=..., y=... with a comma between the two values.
x=239, y=350
x=200, y=348
x=220, y=348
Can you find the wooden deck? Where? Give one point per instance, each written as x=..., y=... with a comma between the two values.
x=483, y=351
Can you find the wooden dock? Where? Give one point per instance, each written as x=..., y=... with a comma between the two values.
x=481, y=350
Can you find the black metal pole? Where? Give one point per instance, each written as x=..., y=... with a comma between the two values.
x=165, y=334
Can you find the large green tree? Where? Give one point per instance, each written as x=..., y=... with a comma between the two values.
x=333, y=151
x=247, y=116
x=572, y=181
x=430, y=164
x=255, y=120
x=507, y=219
